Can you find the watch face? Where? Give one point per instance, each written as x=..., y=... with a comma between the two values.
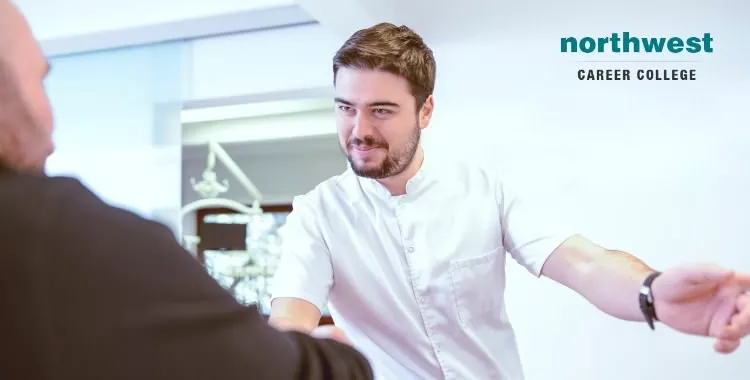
x=646, y=292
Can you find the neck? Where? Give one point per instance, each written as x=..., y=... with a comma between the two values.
x=396, y=184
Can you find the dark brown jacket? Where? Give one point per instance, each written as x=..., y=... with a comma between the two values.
x=89, y=291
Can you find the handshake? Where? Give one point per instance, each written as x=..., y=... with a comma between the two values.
x=320, y=332
x=330, y=332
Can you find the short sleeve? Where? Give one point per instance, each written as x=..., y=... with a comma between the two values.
x=304, y=270
x=533, y=226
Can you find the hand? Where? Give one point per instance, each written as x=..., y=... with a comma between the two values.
x=705, y=300
x=331, y=332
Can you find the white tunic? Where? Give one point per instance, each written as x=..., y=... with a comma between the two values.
x=417, y=281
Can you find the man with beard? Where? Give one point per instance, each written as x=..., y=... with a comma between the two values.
x=408, y=249
x=89, y=291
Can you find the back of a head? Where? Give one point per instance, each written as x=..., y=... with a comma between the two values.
x=14, y=35
x=394, y=49
x=25, y=115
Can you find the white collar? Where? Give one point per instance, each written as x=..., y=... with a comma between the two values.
x=424, y=176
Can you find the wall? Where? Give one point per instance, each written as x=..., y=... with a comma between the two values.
x=314, y=124
x=268, y=61
x=143, y=87
x=658, y=169
x=117, y=126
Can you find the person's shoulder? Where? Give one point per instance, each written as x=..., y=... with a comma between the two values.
x=67, y=198
x=34, y=204
x=40, y=191
x=468, y=172
x=335, y=190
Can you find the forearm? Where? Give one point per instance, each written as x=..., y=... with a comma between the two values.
x=291, y=324
x=611, y=281
x=295, y=314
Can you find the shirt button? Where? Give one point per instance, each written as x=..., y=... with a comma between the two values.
x=410, y=249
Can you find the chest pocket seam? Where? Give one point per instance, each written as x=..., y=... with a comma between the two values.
x=477, y=292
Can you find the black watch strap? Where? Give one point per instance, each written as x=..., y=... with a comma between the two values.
x=646, y=300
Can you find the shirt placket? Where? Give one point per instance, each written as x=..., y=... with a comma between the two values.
x=407, y=227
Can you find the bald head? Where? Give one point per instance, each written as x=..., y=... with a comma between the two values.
x=15, y=34
x=25, y=115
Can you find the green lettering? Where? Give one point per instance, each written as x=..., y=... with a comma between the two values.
x=602, y=42
x=707, y=39
x=675, y=45
x=693, y=45
x=653, y=44
x=631, y=40
x=624, y=42
x=615, y=43
x=590, y=42
x=568, y=44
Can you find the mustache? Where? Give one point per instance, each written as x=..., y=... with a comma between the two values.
x=367, y=142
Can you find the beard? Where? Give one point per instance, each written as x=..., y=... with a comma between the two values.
x=395, y=160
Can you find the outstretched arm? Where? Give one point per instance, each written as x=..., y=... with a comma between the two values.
x=701, y=299
x=610, y=280
x=704, y=300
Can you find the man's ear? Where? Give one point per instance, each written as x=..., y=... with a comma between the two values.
x=425, y=113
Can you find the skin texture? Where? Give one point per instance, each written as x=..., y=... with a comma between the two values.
x=25, y=113
x=697, y=299
x=379, y=125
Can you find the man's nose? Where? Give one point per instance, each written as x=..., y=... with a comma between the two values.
x=362, y=126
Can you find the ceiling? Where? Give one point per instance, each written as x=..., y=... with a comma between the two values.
x=107, y=23
x=64, y=27
x=61, y=19
x=434, y=20
x=77, y=26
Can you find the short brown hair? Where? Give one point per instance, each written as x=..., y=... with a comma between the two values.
x=394, y=49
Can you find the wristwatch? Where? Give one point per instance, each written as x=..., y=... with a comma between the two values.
x=646, y=300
